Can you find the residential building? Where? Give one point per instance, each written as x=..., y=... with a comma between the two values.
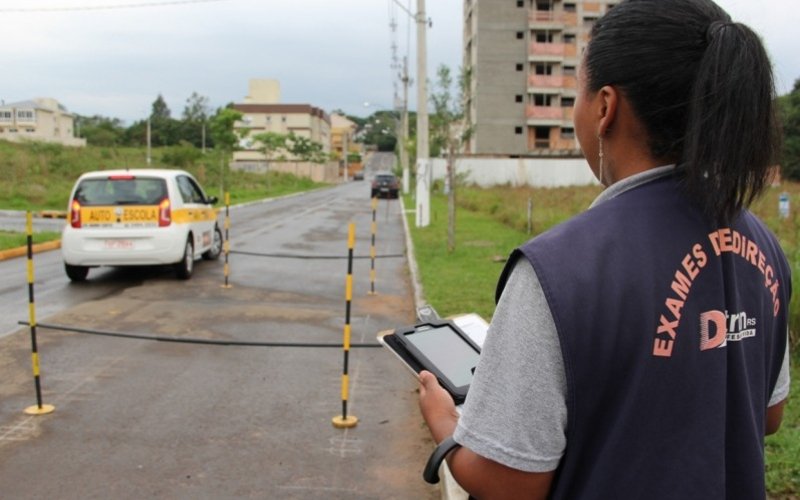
x=343, y=133
x=263, y=112
x=40, y=119
x=521, y=57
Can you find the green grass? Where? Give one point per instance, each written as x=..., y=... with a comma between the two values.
x=10, y=239
x=492, y=222
x=37, y=176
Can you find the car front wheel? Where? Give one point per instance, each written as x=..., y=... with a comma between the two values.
x=185, y=266
x=76, y=273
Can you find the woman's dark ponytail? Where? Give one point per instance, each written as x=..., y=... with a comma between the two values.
x=731, y=135
x=702, y=87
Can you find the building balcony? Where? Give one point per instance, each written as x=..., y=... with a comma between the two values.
x=543, y=112
x=552, y=19
x=552, y=81
x=550, y=113
x=592, y=8
x=552, y=49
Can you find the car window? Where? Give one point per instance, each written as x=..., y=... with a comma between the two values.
x=121, y=191
x=190, y=191
x=384, y=178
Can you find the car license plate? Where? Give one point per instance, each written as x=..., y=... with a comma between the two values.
x=117, y=244
x=385, y=189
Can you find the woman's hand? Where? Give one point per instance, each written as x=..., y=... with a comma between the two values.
x=437, y=406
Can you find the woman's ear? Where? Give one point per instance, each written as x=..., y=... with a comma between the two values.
x=607, y=101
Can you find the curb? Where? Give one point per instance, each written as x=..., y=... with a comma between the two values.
x=20, y=251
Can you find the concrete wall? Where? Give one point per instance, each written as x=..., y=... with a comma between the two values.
x=317, y=172
x=536, y=172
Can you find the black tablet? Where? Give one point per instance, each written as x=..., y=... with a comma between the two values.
x=441, y=348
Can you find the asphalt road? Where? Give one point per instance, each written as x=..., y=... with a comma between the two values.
x=145, y=419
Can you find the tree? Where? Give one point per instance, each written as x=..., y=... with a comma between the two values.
x=225, y=138
x=164, y=130
x=305, y=149
x=450, y=129
x=194, y=119
x=269, y=143
x=99, y=130
x=790, y=118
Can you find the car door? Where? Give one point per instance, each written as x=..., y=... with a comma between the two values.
x=197, y=212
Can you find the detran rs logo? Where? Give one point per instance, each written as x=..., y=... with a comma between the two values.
x=717, y=328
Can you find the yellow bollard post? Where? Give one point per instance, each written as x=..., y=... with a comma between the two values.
x=372, y=247
x=344, y=420
x=227, y=245
x=39, y=409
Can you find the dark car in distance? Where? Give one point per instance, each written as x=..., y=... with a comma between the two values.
x=385, y=185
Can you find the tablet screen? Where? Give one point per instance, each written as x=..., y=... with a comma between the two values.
x=448, y=352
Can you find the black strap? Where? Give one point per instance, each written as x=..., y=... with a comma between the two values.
x=431, y=472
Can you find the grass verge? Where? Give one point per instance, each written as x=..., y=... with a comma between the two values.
x=10, y=239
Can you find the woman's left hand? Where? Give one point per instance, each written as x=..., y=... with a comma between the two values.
x=437, y=406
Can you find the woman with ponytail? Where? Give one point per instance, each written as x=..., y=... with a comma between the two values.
x=639, y=350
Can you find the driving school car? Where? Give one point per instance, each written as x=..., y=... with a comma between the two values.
x=136, y=218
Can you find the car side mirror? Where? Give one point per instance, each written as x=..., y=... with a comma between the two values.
x=212, y=200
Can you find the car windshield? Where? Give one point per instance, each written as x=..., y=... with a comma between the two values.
x=384, y=178
x=121, y=191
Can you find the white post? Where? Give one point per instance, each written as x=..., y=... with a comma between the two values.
x=148, y=141
x=423, y=162
x=404, y=130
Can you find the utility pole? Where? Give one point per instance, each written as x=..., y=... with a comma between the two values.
x=344, y=151
x=404, y=129
x=423, y=162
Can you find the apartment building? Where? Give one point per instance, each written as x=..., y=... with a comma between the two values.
x=39, y=119
x=263, y=112
x=522, y=58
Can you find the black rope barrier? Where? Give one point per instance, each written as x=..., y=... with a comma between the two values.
x=310, y=257
x=191, y=340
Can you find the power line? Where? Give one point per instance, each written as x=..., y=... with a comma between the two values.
x=137, y=5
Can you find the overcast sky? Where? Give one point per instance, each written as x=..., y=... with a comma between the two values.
x=113, y=57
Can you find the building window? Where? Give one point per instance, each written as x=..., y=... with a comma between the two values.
x=569, y=71
x=24, y=114
x=30, y=130
x=569, y=7
x=520, y=35
x=567, y=102
x=567, y=133
x=544, y=5
x=569, y=38
x=520, y=3
x=283, y=119
x=518, y=98
x=544, y=69
x=519, y=67
x=12, y=130
x=518, y=130
x=5, y=116
x=544, y=37
x=542, y=99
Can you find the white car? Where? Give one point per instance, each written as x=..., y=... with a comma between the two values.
x=139, y=217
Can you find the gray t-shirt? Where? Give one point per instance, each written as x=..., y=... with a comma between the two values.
x=516, y=412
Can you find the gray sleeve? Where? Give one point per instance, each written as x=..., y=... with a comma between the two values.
x=781, y=390
x=515, y=412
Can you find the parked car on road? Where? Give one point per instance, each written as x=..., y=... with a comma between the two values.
x=385, y=185
x=139, y=217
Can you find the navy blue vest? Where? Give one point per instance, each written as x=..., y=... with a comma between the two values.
x=672, y=332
